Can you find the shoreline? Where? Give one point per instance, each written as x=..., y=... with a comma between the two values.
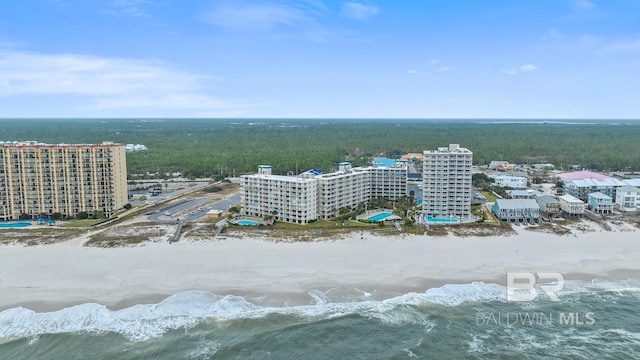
x=288, y=299
x=270, y=273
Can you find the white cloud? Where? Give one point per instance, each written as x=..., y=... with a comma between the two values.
x=444, y=69
x=105, y=83
x=359, y=11
x=434, y=61
x=255, y=17
x=411, y=71
x=129, y=7
x=300, y=19
x=524, y=68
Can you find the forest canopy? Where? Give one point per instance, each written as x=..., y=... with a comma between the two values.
x=206, y=147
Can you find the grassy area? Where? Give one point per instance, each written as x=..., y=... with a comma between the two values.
x=38, y=236
x=489, y=196
x=481, y=229
x=109, y=242
x=318, y=230
x=218, y=188
x=131, y=234
x=325, y=224
x=550, y=228
x=229, y=187
x=488, y=216
x=85, y=223
x=437, y=230
x=415, y=229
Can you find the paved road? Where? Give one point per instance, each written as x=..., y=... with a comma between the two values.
x=176, y=211
x=195, y=208
x=227, y=203
x=170, y=193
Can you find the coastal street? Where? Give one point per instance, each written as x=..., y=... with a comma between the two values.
x=172, y=191
x=196, y=211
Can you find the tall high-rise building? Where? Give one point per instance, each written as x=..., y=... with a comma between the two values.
x=345, y=188
x=286, y=198
x=389, y=181
x=61, y=180
x=311, y=196
x=446, y=182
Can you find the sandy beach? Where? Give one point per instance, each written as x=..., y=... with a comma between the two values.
x=51, y=277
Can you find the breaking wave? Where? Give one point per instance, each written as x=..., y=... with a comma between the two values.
x=188, y=309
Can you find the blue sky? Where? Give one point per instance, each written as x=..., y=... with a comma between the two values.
x=313, y=58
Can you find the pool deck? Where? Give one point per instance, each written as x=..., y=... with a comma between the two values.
x=372, y=215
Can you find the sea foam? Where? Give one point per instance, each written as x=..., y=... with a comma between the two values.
x=187, y=309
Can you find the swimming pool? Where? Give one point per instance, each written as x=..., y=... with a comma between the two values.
x=248, y=222
x=14, y=225
x=442, y=220
x=379, y=216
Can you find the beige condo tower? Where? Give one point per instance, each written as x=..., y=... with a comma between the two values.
x=61, y=180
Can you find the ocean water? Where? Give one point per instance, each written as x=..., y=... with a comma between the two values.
x=592, y=320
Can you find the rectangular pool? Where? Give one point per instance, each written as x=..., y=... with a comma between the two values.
x=442, y=220
x=379, y=216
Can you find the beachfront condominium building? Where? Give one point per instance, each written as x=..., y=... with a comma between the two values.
x=286, y=198
x=61, y=180
x=311, y=196
x=446, y=182
x=345, y=188
x=389, y=181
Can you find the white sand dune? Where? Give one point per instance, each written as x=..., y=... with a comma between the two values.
x=55, y=276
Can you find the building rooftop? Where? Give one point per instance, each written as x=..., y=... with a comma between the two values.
x=599, y=195
x=453, y=148
x=279, y=177
x=31, y=143
x=570, y=198
x=629, y=188
x=380, y=161
x=609, y=181
x=519, y=192
x=547, y=199
x=580, y=175
x=517, y=204
x=409, y=156
x=633, y=182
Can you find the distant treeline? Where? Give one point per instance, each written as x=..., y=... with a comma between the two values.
x=200, y=147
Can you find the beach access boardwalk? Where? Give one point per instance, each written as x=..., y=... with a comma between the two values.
x=221, y=225
x=176, y=235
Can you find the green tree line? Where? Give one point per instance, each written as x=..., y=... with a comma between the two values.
x=209, y=147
